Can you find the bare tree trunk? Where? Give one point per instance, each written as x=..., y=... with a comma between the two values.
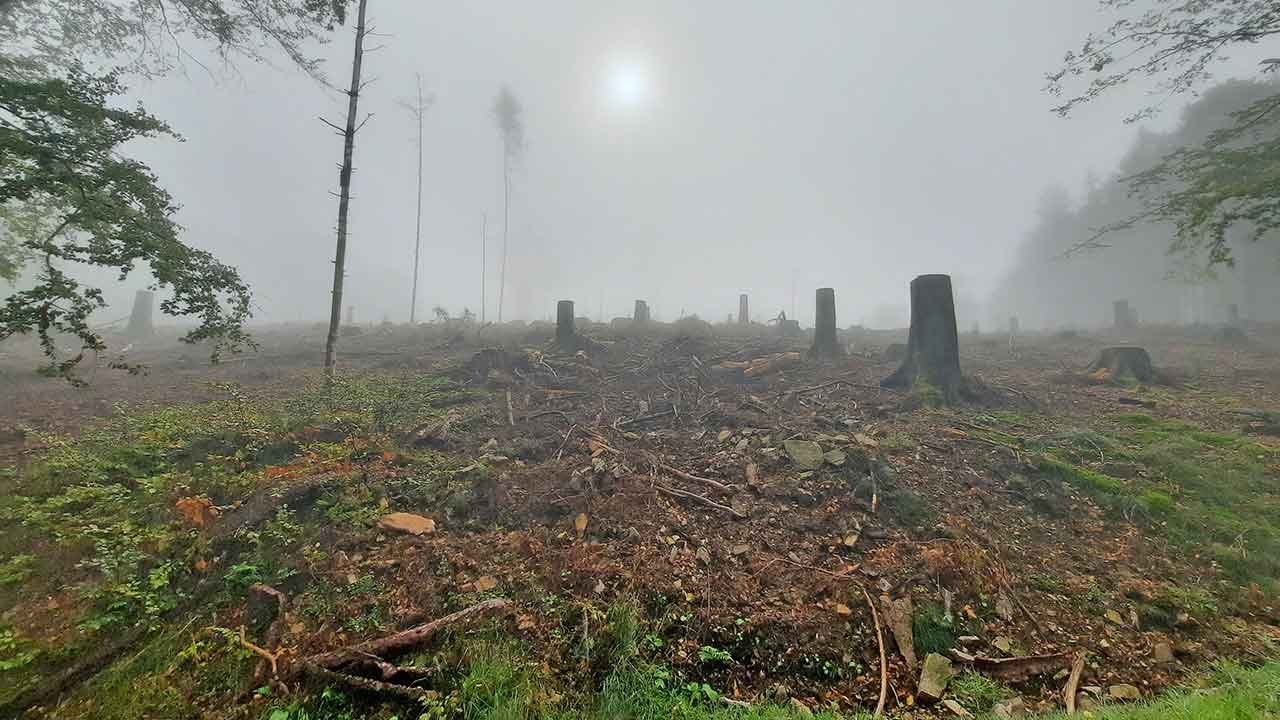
x=344, y=196
x=484, y=243
x=506, y=217
x=566, y=336
x=417, y=232
x=743, y=316
x=140, y=324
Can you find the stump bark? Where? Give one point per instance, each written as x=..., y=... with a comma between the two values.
x=1124, y=361
x=933, y=345
x=140, y=319
x=743, y=316
x=566, y=337
x=824, y=334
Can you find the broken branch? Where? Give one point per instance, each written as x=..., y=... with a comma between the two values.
x=700, y=498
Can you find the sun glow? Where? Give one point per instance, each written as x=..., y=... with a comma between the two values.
x=627, y=85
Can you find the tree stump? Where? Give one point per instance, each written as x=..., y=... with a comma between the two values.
x=1126, y=318
x=743, y=316
x=140, y=319
x=1114, y=363
x=824, y=333
x=933, y=345
x=566, y=336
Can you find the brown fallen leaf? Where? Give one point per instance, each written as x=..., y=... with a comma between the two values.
x=580, y=524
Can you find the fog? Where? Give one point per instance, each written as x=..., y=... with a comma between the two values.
x=678, y=152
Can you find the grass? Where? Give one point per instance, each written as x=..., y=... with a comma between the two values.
x=1213, y=493
x=977, y=693
x=931, y=632
x=1230, y=692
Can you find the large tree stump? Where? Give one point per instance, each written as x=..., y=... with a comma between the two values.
x=1115, y=363
x=933, y=345
x=566, y=337
x=743, y=316
x=1126, y=318
x=140, y=319
x=824, y=331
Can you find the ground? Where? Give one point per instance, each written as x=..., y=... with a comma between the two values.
x=646, y=510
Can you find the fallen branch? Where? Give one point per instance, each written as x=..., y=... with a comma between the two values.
x=702, y=499
x=884, y=661
x=405, y=639
x=1017, y=669
x=645, y=418
x=690, y=476
x=412, y=694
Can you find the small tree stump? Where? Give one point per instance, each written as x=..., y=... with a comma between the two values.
x=1124, y=361
x=933, y=345
x=824, y=334
x=566, y=337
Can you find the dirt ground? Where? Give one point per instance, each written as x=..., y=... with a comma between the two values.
x=643, y=467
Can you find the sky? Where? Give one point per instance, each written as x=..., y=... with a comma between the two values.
x=677, y=152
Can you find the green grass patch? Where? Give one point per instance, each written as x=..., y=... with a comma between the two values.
x=931, y=631
x=1230, y=692
x=1215, y=494
x=977, y=693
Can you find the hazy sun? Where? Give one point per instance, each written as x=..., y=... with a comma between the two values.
x=628, y=84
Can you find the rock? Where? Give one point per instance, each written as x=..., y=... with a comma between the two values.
x=484, y=583
x=740, y=549
x=842, y=609
x=1124, y=693
x=1085, y=702
x=1004, y=606
x=742, y=445
x=724, y=435
x=934, y=676
x=1114, y=617
x=1003, y=644
x=835, y=457
x=957, y=709
x=703, y=554
x=968, y=639
x=800, y=709
x=866, y=440
x=407, y=523
x=1162, y=652
x=1014, y=709
x=805, y=453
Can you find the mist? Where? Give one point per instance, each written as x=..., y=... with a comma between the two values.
x=677, y=154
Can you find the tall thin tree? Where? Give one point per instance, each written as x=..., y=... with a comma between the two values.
x=344, y=195
x=417, y=110
x=484, y=243
x=507, y=111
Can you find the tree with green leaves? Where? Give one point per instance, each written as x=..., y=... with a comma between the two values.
x=1230, y=180
x=507, y=114
x=69, y=198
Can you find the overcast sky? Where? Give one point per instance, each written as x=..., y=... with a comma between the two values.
x=679, y=152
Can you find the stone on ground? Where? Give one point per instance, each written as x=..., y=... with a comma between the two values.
x=408, y=523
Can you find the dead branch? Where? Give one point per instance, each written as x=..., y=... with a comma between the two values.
x=884, y=662
x=690, y=476
x=645, y=418
x=405, y=639
x=412, y=694
x=700, y=498
x=271, y=657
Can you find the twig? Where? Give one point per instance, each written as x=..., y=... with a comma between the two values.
x=566, y=441
x=271, y=657
x=412, y=694
x=563, y=415
x=690, y=476
x=884, y=662
x=816, y=388
x=702, y=499
x=645, y=418
x=511, y=415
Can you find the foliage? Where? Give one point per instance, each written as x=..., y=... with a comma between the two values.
x=59, y=151
x=507, y=114
x=1202, y=190
x=932, y=631
x=147, y=34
